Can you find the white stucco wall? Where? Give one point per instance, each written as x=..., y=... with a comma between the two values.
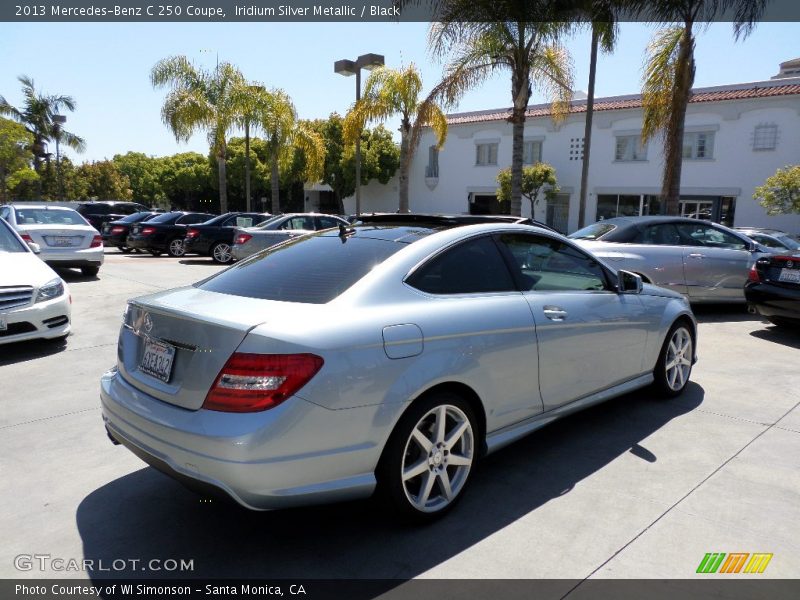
x=735, y=169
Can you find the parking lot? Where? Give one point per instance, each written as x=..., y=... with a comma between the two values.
x=634, y=488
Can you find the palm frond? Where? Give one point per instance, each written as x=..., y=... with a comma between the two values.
x=552, y=73
x=659, y=75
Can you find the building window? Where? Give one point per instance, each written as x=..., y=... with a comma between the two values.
x=626, y=205
x=531, y=152
x=432, y=170
x=698, y=145
x=486, y=154
x=765, y=137
x=576, y=148
x=630, y=147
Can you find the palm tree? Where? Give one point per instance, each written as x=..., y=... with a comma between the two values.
x=529, y=49
x=37, y=115
x=254, y=101
x=201, y=100
x=389, y=92
x=669, y=74
x=283, y=133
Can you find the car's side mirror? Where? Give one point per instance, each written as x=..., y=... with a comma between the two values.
x=752, y=247
x=629, y=283
x=35, y=247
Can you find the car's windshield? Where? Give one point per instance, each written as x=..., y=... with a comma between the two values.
x=44, y=216
x=165, y=218
x=312, y=270
x=593, y=232
x=8, y=241
x=216, y=220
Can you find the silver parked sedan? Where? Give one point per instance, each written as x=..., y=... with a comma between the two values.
x=703, y=261
x=64, y=237
x=249, y=240
x=386, y=357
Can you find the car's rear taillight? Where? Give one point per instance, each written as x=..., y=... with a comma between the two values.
x=256, y=382
x=192, y=233
x=117, y=230
x=753, y=276
x=97, y=242
x=242, y=238
x=26, y=238
x=147, y=230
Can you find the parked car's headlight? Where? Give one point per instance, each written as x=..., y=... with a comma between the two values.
x=51, y=289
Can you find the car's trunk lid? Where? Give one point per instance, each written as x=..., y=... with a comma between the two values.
x=199, y=329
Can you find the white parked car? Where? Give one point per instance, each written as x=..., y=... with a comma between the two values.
x=34, y=300
x=64, y=237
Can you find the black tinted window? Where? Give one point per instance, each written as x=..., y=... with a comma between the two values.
x=312, y=270
x=135, y=217
x=166, y=218
x=328, y=222
x=474, y=266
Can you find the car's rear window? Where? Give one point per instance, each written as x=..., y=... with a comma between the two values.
x=135, y=217
x=43, y=216
x=312, y=270
x=166, y=217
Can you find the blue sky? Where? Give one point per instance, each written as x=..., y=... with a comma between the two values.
x=105, y=67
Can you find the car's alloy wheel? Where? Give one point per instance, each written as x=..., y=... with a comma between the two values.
x=221, y=253
x=430, y=456
x=675, y=362
x=176, y=248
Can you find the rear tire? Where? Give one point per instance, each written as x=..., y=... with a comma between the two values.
x=90, y=271
x=426, y=464
x=222, y=253
x=175, y=247
x=674, y=365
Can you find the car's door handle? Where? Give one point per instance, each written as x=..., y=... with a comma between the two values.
x=555, y=313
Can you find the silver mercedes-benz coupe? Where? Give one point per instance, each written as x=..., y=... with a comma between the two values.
x=383, y=357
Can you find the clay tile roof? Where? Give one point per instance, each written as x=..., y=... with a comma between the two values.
x=634, y=101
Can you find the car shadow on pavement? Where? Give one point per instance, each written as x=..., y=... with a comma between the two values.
x=787, y=336
x=18, y=352
x=74, y=276
x=147, y=515
x=722, y=313
x=207, y=262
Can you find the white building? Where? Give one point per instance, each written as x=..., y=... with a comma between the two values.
x=736, y=137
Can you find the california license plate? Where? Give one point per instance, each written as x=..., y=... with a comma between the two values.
x=789, y=275
x=157, y=360
x=61, y=241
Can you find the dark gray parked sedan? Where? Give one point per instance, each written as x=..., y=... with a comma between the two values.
x=704, y=261
x=386, y=357
x=249, y=240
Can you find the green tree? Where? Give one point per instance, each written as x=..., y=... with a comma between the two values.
x=197, y=100
x=237, y=171
x=283, y=133
x=537, y=178
x=521, y=41
x=669, y=74
x=104, y=181
x=390, y=92
x=15, y=156
x=37, y=116
x=780, y=193
x=144, y=175
x=186, y=179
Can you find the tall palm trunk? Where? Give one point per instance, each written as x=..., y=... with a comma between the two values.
x=247, y=165
x=223, y=182
x=521, y=93
x=405, y=159
x=275, y=182
x=587, y=132
x=673, y=147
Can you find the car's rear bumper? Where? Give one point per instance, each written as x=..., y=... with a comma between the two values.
x=265, y=460
x=770, y=300
x=89, y=257
x=44, y=320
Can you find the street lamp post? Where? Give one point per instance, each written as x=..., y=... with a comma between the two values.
x=347, y=68
x=58, y=123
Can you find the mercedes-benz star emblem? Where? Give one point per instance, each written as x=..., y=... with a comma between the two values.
x=147, y=323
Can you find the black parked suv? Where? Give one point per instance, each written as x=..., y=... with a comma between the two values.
x=98, y=213
x=164, y=232
x=215, y=237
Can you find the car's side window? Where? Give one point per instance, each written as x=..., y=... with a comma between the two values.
x=546, y=264
x=127, y=209
x=4, y=213
x=471, y=267
x=327, y=222
x=705, y=235
x=299, y=223
x=766, y=241
x=661, y=234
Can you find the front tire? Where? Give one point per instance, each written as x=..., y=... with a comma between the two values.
x=674, y=364
x=429, y=457
x=222, y=253
x=175, y=248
